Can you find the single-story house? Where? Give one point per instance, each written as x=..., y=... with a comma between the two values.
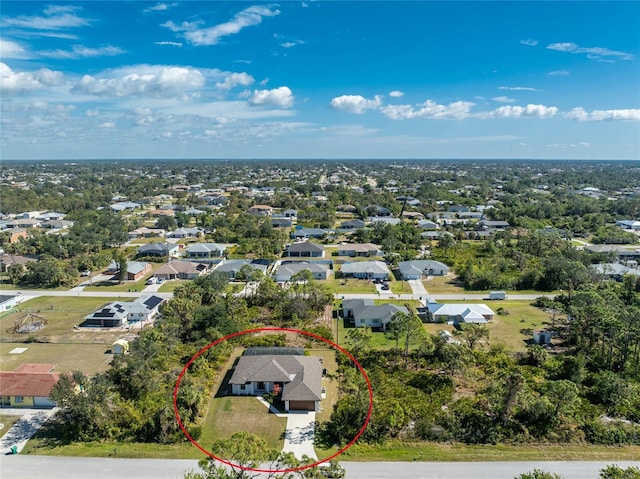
x=125, y=205
x=419, y=268
x=185, y=233
x=615, y=271
x=628, y=224
x=305, y=249
x=145, y=232
x=57, y=224
x=306, y=233
x=181, y=270
x=359, y=249
x=194, y=212
x=296, y=379
x=377, y=210
x=7, y=260
x=29, y=385
x=412, y=215
x=497, y=225
x=387, y=220
x=51, y=216
x=121, y=313
x=233, y=266
x=205, y=250
x=158, y=249
x=364, y=312
x=459, y=313
x=409, y=200
x=346, y=209
x=428, y=225
x=260, y=210
x=290, y=213
x=351, y=225
x=281, y=222
x=287, y=270
x=366, y=270
x=135, y=269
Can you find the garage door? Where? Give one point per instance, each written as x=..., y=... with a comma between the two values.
x=43, y=402
x=302, y=405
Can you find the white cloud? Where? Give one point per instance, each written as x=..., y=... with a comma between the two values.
x=91, y=113
x=142, y=80
x=355, y=103
x=280, y=97
x=517, y=88
x=593, y=53
x=80, y=51
x=603, y=115
x=56, y=18
x=160, y=7
x=9, y=49
x=175, y=44
x=509, y=111
x=396, y=94
x=429, y=109
x=503, y=99
x=107, y=124
x=559, y=73
x=235, y=79
x=18, y=82
x=248, y=17
x=530, y=42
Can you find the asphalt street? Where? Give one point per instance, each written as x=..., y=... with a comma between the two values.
x=34, y=467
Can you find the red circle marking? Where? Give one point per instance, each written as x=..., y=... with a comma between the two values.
x=250, y=331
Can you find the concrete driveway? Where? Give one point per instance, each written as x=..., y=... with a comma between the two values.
x=300, y=433
x=25, y=428
x=417, y=287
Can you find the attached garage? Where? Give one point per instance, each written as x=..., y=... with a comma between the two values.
x=302, y=405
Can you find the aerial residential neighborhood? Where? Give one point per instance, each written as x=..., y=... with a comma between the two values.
x=122, y=297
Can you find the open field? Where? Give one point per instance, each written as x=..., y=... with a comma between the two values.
x=89, y=358
x=58, y=343
x=448, y=285
x=62, y=313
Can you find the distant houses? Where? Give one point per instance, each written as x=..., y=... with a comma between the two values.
x=458, y=313
x=366, y=270
x=364, y=312
x=418, y=269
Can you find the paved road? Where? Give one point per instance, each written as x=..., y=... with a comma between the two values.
x=28, y=294
x=34, y=467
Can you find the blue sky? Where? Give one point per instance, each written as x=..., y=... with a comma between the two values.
x=320, y=79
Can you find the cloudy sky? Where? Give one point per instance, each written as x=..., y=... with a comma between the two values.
x=320, y=79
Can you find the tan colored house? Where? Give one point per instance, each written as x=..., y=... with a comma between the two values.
x=260, y=210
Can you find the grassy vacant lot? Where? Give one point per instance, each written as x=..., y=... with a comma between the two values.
x=89, y=358
x=449, y=285
x=58, y=343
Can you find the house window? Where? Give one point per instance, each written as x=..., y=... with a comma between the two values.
x=242, y=387
x=19, y=399
x=261, y=385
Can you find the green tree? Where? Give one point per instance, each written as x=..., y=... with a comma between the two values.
x=616, y=472
x=539, y=474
